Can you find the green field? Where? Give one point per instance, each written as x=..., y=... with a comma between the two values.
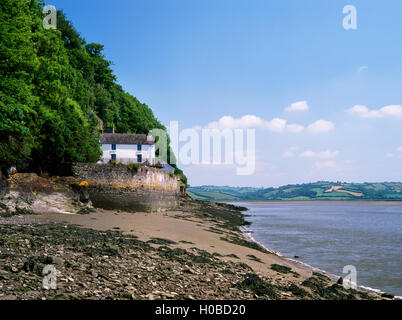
x=319, y=191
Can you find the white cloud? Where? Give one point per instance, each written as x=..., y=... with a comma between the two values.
x=288, y=154
x=325, y=164
x=275, y=125
x=228, y=122
x=319, y=155
x=252, y=121
x=387, y=111
x=321, y=126
x=361, y=69
x=298, y=106
x=398, y=153
x=392, y=111
x=291, y=152
x=364, y=112
x=295, y=128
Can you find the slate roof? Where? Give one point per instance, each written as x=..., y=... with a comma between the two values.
x=122, y=138
x=168, y=168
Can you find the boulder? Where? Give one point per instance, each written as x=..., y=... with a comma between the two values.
x=84, y=195
x=11, y=171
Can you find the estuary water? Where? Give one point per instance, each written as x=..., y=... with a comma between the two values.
x=331, y=235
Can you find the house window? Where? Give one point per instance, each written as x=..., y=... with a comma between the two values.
x=113, y=146
x=139, y=147
x=113, y=156
x=139, y=158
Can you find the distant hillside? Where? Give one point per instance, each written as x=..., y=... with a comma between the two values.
x=387, y=191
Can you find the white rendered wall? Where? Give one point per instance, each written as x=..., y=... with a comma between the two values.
x=127, y=152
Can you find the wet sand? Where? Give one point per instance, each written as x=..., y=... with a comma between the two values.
x=188, y=233
x=196, y=252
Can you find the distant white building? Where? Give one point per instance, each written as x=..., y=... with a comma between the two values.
x=134, y=148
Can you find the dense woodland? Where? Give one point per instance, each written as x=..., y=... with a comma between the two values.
x=53, y=86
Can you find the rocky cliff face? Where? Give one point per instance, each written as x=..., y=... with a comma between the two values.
x=130, y=188
x=107, y=186
x=27, y=193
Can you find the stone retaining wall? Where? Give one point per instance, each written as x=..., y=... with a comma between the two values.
x=124, y=187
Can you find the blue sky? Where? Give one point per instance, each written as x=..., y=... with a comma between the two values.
x=200, y=60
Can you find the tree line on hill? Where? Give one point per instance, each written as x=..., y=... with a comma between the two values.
x=322, y=190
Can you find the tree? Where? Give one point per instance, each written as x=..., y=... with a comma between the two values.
x=18, y=63
x=53, y=85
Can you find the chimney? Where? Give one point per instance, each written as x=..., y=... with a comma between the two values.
x=109, y=130
x=150, y=138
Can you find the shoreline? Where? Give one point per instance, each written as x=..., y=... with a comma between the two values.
x=247, y=232
x=362, y=202
x=196, y=252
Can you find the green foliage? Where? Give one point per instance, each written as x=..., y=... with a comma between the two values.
x=133, y=167
x=18, y=63
x=53, y=86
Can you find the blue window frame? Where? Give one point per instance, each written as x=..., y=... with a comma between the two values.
x=113, y=157
x=139, y=158
x=139, y=147
x=113, y=146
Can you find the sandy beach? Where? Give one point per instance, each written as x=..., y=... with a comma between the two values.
x=185, y=231
x=195, y=252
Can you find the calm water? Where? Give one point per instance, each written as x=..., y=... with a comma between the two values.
x=331, y=235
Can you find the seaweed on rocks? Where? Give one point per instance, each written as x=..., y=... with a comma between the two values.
x=230, y=216
x=161, y=241
x=254, y=258
x=322, y=288
x=245, y=243
x=297, y=291
x=258, y=286
x=280, y=269
x=283, y=269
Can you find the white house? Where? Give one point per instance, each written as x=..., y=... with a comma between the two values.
x=135, y=148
